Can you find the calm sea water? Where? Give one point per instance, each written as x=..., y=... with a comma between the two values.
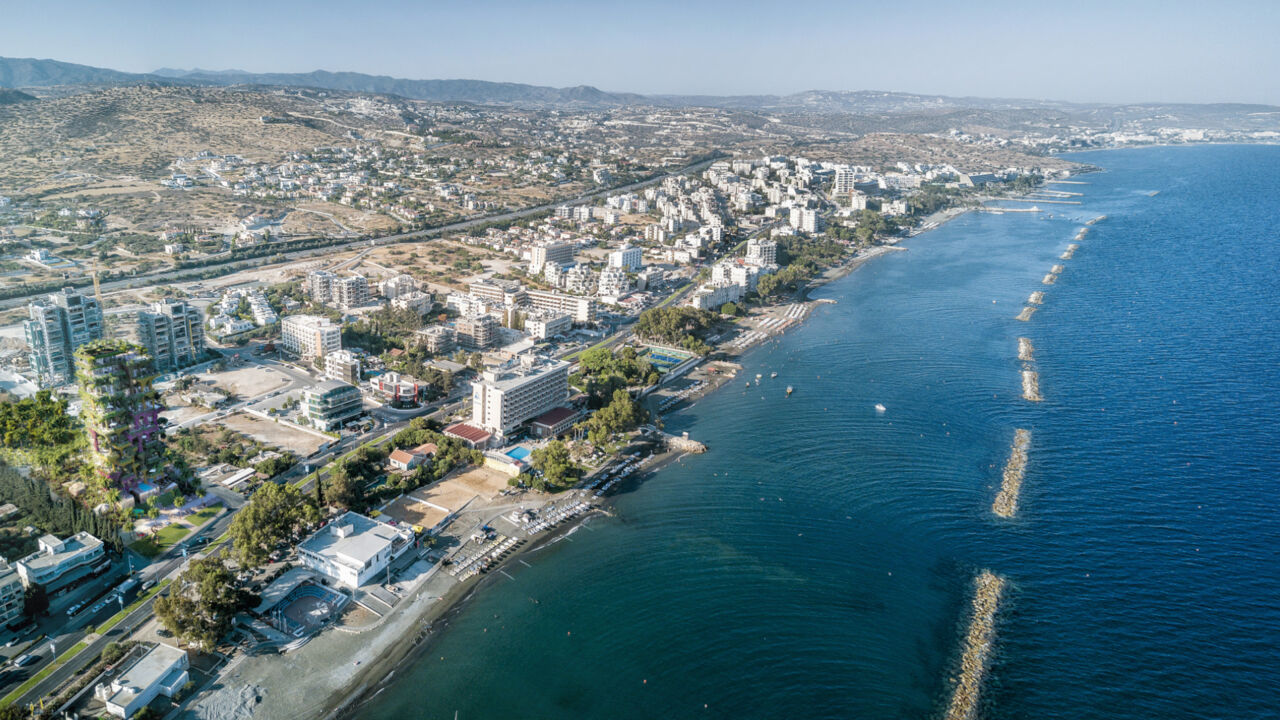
x=816, y=562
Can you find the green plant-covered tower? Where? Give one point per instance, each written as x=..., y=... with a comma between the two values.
x=121, y=414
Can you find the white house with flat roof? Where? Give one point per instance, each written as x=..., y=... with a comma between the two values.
x=353, y=549
x=162, y=671
x=59, y=562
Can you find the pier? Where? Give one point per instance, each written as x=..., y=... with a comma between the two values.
x=1042, y=201
x=1025, y=350
x=1006, y=502
x=1031, y=385
x=1036, y=297
x=1001, y=211
x=978, y=641
x=1096, y=220
x=1026, y=313
x=1065, y=182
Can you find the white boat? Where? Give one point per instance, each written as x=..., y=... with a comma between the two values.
x=773, y=375
x=879, y=408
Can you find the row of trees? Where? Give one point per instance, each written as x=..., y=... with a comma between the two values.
x=54, y=512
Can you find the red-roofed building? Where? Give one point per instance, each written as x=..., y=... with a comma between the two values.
x=409, y=459
x=473, y=436
x=555, y=422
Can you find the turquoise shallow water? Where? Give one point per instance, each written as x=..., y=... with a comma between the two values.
x=816, y=562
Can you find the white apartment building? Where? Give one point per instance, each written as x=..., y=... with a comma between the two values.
x=342, y=365
x=541, y=324
x=712, y=295
x=581, y=309
x=476, y=331
x=352, y=292
x=630, y=259
x=437, y=339
x=613, y=282
x=520, y=390
x=730, y=271
x=557, y=253
x=393, y=288
x=12, y=594
x=762, y=252
x=806, y=220
x=310, y=336
x=844, y=182
x=58, y=562
x=579, y=279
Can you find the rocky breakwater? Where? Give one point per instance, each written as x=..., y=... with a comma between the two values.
x=1006, y=502
x=978, y=644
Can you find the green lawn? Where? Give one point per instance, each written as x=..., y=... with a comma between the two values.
x=170, y=535
x=48, y=669
x=157, y=543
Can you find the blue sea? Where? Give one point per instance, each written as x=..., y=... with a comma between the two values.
x=817, y=561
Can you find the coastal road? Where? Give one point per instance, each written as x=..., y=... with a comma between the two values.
x=164, y=276
x=169, y=564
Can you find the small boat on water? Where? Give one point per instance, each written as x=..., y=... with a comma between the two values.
x=879, y=408
x=758, y=376
x=790, y=390
x=773, y=375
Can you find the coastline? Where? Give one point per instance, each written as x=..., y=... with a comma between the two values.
x=406, y=633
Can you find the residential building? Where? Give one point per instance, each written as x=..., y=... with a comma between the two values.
x=406, y=460
x=521, y=390
x=330, y=404
x=558, y=253
x=416, y=301
x=437, y=339
x=161, y=671
x=12, y=595
x=397, y=286
x=59, y=323
x=581, y=309
x=351, y=292
x=476, y=332
x=736, y=272
x=310, y=336
x=844, y=181
x=806, y=220
x=353, y=549
x=542, y=324
x=628, y=258
x=342, y=365
x=172, y=333
x=712, y=296
x=579, y=279
x=613, y=282
x=121, y=414
x=58, y=563
x=320, y=286
x=761, y=252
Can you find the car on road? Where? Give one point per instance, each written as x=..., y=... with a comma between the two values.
x=74, y=609
x=148, y=585
x=25, y=660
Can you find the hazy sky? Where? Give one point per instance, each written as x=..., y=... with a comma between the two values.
x=1223, y=51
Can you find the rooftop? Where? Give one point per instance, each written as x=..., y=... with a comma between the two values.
x=148, y=670
x=555, y=416
x=53, y=551
x=470, y=433
x=352, y=540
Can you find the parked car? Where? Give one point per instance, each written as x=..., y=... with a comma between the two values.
x=74, y=609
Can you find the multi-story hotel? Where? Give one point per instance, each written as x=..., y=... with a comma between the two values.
x=521, y=390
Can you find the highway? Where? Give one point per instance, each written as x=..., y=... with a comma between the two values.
x=165, y=276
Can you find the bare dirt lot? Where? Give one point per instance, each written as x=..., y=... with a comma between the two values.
x=482, y=481
x=273, y=433
x=408, y=511
x=247, y=382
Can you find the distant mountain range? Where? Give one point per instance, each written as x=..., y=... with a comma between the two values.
x=32, y=73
